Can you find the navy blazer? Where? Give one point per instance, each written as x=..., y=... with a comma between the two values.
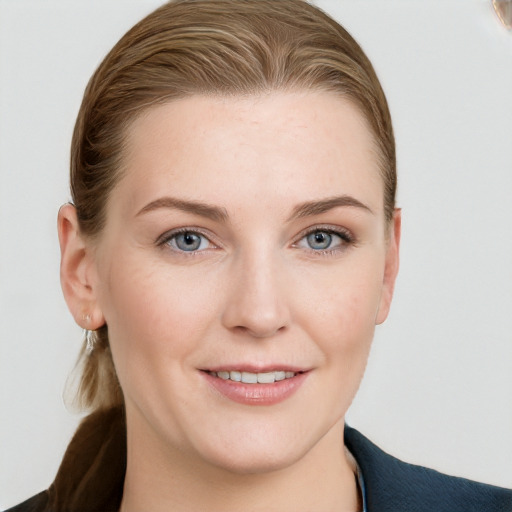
x=395, y=486
x=390, y=486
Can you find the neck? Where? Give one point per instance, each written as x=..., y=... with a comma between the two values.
x=159, y=478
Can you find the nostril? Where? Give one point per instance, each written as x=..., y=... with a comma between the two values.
x=260, y=331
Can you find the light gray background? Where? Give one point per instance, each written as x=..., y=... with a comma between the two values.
x=438, y=389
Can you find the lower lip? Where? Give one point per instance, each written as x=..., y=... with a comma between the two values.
x=256, y=394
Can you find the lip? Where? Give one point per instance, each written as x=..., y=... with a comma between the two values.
x=255, y=368
x=256, y=394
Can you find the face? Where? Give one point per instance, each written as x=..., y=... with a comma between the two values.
x=244, y=264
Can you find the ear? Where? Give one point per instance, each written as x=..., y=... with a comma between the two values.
x=391, y=266
x=76, y=271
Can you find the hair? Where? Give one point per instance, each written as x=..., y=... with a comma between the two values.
x=186, y=48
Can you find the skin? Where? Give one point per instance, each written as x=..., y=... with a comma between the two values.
x=256, y=291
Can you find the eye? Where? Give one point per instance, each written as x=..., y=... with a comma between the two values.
x=328, y=240
x=187, y=241
x=319, y=240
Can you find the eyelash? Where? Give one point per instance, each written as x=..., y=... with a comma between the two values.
x=347, y=239
x=165, y=239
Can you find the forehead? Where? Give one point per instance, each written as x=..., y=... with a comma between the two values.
x=294, y=145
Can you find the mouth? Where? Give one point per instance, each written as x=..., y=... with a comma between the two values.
x=267, y=387
x=254, y=378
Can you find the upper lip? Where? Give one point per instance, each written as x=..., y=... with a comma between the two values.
x=253, y=368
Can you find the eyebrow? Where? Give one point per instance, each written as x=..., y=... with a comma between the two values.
x=219, y=214
x=198, y=208
x=311, y=208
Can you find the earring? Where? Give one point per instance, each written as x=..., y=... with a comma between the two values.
x=90, y=341
x=90, y=338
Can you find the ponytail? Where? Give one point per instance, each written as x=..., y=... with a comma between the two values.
x=98, y=387
x=91, y=474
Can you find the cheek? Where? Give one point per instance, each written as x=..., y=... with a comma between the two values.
x=342, y=303
x=340, y=318
x=154, y=315
x=349, y=324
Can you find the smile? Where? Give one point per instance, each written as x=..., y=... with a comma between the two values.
x=256, y=388
x=254, y=378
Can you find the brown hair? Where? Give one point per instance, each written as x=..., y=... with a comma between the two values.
x=209, y=47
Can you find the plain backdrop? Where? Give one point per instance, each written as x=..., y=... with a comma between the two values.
x=438, y=388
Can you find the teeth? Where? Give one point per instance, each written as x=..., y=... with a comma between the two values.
x=266, y=378
x=249, y=378
x=236, y=376
x=253, y=378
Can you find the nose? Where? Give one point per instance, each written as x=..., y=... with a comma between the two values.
x=256, y=303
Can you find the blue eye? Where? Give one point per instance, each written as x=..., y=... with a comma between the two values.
x=325, y=240
x=319, y=240
x=188, y=241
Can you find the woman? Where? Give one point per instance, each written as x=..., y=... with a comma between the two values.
x=232, y=243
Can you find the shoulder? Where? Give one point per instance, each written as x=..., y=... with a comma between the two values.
x=37, y=503
x=392, y=485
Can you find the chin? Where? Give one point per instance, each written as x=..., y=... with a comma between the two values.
x=249, y=451
x=249, y=462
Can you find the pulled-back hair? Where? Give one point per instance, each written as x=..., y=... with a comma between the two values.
x=185, y=48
